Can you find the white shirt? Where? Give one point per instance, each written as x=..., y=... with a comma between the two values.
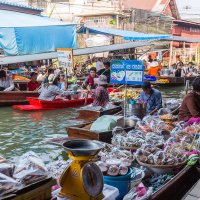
x=50, y=92
x=7, y=83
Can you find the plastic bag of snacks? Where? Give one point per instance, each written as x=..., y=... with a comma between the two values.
x=139, y=192
x=172, y=104
x=2, y=159
x=56, y=168
x=30, y=169
x=7, y=169
x=8, y=185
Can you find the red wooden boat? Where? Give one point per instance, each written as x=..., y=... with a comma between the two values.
x=36, y=104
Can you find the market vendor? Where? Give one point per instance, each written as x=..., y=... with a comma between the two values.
x=50, y=71
x=101, y=96
x=154, y=69
x=6, y=83
x=33, y=85
x=179, y=71
x=89, y=82
x=190, y=107
x=105, y=71
x=50, y=90
x=62, y=83
x=152, y=97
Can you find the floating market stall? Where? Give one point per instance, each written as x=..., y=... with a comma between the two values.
x=21, y=39
x=167, y=154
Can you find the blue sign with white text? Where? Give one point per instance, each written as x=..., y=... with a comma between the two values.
x=127, y=72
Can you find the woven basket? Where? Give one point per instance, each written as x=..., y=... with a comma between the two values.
x=162, y=169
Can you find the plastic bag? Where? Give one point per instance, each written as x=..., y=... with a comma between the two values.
x=139, y=192
x=119, y=131
x=104, y=123
x=7, y=169
x=141, y=125
x=163, y=111
x=2, y=159
x=30, y=169
x=8, y=185
x=56, y=168
x=172, y=104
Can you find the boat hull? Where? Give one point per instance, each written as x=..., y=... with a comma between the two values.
x=36, y=104
x=178, y=186
x=16, y=97
x=173, y=81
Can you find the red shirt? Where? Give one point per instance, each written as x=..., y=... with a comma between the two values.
x=32, y=86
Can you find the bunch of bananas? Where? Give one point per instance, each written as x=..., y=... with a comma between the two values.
x=163, y=81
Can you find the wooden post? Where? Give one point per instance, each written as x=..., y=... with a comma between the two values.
x=184, y=54
x=170, y=53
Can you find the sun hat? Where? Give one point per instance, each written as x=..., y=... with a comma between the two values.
x=51, y=78
x=154, y=64
x=102, y=80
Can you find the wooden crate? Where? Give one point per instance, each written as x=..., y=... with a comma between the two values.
x=82, y=131
x=39, y=191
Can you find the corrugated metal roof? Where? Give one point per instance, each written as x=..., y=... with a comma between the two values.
x=127, y=35
x=107, y=48
x=183, y=39
x=18, y=5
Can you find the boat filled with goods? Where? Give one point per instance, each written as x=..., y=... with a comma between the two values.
x=152, y=160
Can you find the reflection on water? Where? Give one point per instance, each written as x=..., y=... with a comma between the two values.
x=24, y=131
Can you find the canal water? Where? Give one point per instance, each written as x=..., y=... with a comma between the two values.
x=29, y=131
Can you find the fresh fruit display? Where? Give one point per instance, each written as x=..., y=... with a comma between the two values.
x=20, y=78
x=130, y=94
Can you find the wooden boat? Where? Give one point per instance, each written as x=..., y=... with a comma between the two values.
x=92, y=115
x=36, y=104
x=82, y=131
x=21, y=85
x=15, y=97
x=166, y=81
x=177, y=187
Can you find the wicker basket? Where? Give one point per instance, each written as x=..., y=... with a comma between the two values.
x=162, y=169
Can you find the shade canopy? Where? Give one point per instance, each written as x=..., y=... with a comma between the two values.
x=22, y=34
x=76, y=52
x=127, y=35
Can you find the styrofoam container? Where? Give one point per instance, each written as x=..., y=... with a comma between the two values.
x=109, y=192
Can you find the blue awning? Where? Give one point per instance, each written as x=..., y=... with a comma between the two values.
x=22, y=34
x=127, y=35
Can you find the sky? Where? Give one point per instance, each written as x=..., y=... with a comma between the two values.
x=192, y=12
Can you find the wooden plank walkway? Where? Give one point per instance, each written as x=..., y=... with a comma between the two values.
x=194, y=193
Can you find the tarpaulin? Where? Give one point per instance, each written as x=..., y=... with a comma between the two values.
x=22, y=34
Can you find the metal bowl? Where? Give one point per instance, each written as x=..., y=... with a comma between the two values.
x=130, y=122
x=83, y=147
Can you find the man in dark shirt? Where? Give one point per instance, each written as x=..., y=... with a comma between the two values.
x=105, y=71
x=190, y=107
